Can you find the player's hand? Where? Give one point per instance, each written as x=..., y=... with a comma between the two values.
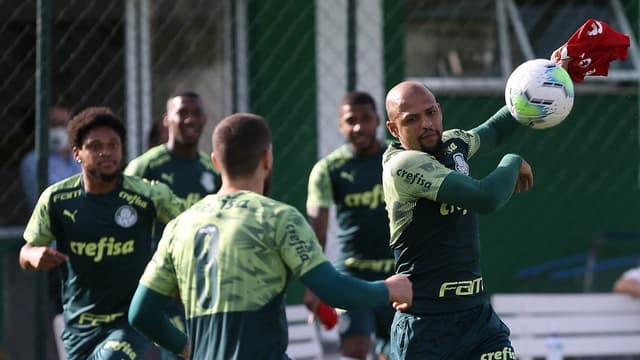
x=556, y=57
x=400, y=291
x=525, y=177
x=327, y=315
x=310, y=300
x=186, y=352
x=41, y=257
x=400, y=306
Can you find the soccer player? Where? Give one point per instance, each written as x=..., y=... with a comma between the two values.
x=351, y=178
x=230, y=256
x=433, y=205
x=103, y=222
x=178, y=162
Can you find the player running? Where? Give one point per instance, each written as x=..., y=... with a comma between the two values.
x=103, y=222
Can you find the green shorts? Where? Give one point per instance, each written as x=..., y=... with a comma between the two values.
x=473, y=334
x=120, y=342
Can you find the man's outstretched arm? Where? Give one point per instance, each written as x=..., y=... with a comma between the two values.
x=347, y=292
x=495, y=131
x=491, y=192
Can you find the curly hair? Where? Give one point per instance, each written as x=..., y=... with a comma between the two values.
x=92, y=117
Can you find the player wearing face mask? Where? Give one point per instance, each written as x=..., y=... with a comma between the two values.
x=60, y=165
x=60, y=162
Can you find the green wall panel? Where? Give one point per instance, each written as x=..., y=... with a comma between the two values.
x=283, y=88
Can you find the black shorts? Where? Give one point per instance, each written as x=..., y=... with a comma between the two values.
x=473, y=334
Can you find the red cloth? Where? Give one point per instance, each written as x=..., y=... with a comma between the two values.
x=327, y=315
x=591, y=48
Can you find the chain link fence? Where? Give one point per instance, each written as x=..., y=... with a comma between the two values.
x=90, y=54
x=291, y=61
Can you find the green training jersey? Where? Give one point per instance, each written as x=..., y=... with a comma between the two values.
x=108, y=240
x=437, y=244
x=191, y=179
x=354, y=184
x=230, y=257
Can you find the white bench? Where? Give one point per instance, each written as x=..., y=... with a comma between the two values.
x=594, y=324
x=304, y=342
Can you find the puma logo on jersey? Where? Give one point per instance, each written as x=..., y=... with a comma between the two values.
x=168, y=178
x=349, y=176
x=71, y=215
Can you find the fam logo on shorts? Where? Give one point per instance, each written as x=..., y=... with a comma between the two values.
x=126, y=216
x=206, y=180
x=461, y=165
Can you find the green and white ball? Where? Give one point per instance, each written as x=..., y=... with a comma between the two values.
x=539, y=94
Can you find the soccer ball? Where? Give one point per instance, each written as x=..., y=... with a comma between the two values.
x=539, y=94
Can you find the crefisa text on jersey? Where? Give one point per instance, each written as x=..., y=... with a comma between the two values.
x=132, y=199
x=106, y=246
x=414, y=178
x=297, y=243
